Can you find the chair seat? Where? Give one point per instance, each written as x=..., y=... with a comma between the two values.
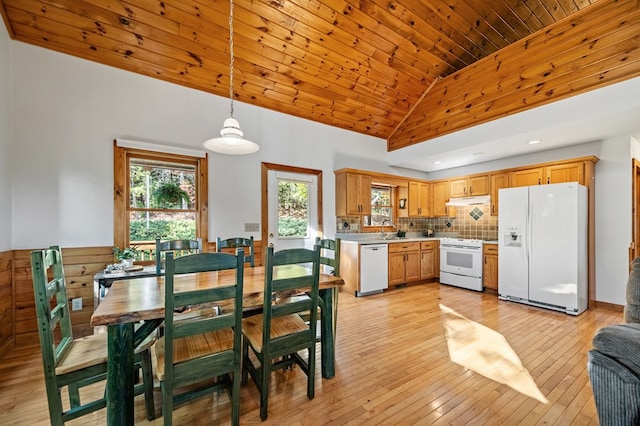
x=84, y=352
x=280, y=326
x=194, y=346
x=92, y=350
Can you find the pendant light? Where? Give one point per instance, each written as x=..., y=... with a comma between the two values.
x=230, y=140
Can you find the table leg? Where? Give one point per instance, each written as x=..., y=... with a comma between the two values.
x=120, y=375
x=328, y=321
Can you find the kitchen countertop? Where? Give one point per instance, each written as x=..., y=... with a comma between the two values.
x=369, y=239
x=394, y=240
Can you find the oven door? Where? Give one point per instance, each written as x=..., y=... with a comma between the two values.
x=460, y=260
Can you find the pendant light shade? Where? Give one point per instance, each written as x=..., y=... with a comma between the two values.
x=230, y=140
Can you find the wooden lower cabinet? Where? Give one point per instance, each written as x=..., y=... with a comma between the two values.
x=404, y=263
x=429, y=260
x=490, y=267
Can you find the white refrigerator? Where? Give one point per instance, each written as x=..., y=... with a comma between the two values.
x=542, y=246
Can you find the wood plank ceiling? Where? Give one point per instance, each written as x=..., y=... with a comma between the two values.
x=403, y=70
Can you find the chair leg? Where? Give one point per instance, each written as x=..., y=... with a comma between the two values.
x=235, y=396
x=265, y=374
x=311, y=372
x=167, y=404
x=147, y=379
x=245, y=361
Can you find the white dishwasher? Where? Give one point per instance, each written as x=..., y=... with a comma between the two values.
x=373, y=269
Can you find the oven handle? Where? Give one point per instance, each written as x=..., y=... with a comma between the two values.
x=460, y=248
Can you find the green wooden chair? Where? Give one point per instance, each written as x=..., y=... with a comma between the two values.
x=178, y=247
x=69, y=362
x=333, y=261
x=198, y=355
x=276, y=336
x=237, y=243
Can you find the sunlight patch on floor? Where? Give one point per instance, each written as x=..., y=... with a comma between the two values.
x=486, y=352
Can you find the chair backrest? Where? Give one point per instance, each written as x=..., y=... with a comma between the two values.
x=230, y=317
x=333, y=261
x=52, y=310
x=178, y=247
x=237, y=243
x=290, y=270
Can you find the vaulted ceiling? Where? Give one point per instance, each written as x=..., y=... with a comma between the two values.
x=403, y=70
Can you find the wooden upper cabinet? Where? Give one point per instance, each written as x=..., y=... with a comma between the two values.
x=478, y=185
x=468, y=186
x=498, y=181
x=440, y=198
x=569, y=172
x=419, y=199
x=527, y=177
x=353, y=194
x=556, y=173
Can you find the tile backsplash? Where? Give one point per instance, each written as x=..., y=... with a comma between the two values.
x=470, y=222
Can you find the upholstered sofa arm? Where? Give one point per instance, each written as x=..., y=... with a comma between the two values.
x=620, y=342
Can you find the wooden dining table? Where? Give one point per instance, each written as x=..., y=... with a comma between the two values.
x=141, y=299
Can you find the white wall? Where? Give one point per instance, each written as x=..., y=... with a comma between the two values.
x=68, y=111
x=613, y=219
x=5, y=140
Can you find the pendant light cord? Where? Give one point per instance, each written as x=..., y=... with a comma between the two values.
x=231, y=54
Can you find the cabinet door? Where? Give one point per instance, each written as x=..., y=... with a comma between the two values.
x=353, y=194
x=527, y=177
x=498, y=181
x=427, y=263
x=490, y=267
x=418, y=199
x=412, y=266
x=570, y=172
x=354, y=198
x=364, y=191
x=478, y=185
x=396, y=268
x=458, y=188
x=440, y=198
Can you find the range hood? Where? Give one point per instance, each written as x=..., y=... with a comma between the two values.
x=469, y=201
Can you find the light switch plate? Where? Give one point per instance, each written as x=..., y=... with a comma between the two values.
x=251, y=227
x=76, y=304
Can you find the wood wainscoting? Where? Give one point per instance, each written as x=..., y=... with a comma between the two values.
x=6, y=302
x=80, y=265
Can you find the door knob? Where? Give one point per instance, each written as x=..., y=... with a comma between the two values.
x=271, y=235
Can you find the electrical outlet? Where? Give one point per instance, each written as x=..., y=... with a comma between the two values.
x=355, y=226
x=76, y=304
x=251, y=227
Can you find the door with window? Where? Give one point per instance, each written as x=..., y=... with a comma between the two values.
x=292, y=216
x=293, y=210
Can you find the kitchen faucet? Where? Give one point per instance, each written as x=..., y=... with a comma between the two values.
x=382, y=227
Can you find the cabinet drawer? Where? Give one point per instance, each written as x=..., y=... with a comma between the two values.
x=490, y=249
x=396, y=247
x=428, y=245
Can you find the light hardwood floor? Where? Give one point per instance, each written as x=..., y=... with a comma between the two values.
x=392, y=368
